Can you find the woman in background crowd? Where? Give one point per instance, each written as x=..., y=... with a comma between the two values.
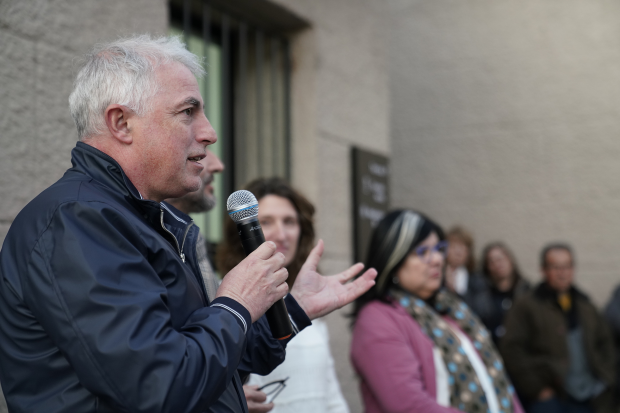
x=504, y=285
x=286, y=218
x=417, y=347
x=460, y=264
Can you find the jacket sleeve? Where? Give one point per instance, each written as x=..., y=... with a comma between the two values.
x=612, y=314
x=95, y=293
x=604, y=352
x=264, y=353
x=527, y=371
x=389, y=365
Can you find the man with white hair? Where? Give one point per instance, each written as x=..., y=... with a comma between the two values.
x=102, y=306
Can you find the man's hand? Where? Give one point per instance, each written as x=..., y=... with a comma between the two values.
x=318, y=295
x=258, y=281
x=256, y=400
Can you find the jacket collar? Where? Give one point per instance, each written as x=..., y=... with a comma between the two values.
x=544, y=292
x=105, y=170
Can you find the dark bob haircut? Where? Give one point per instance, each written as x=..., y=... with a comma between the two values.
x=382, y=244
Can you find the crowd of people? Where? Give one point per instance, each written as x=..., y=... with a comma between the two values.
x=479, y=341
x=438, y=333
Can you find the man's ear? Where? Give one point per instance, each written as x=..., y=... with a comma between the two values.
x=116, y=119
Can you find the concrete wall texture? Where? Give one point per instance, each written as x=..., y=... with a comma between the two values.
x=505, y=119
x=340, y=99
x=39, y=42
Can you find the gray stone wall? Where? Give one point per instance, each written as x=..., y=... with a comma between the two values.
x=505, y=119
x=40, y=40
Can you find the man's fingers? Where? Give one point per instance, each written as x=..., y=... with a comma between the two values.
x=315, y=256
x=281, y=275
x=260, y=408
x=253, y=394
x=351, y=272
x=362, y=284
x=265, y=250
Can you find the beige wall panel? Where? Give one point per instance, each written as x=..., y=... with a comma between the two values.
x=76, y=25
x=349, y=91
x=304, y=163
x=505, y=120
x=333, y=223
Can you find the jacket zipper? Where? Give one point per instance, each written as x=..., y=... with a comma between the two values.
x=181, y=254
x=179, y=249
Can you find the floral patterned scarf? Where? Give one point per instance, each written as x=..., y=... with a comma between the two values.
x=466, y=393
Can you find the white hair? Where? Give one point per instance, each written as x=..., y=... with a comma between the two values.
x=122, y=72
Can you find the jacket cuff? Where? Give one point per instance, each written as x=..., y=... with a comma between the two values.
x=239, y=311
x=298, y=317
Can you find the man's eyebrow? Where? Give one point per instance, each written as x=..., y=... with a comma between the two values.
x=191, y=101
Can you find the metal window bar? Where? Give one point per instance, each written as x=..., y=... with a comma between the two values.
x=262, y=167
x=256, y=100
x=287, y=104
x=229, y=174
x=206, y=40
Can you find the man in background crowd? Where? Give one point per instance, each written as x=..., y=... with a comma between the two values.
x=204, y=200
x=558, y=349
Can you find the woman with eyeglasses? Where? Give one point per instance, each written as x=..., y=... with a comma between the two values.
x=306, y=380
x=417, y=347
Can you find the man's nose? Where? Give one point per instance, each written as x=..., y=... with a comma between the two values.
x=205, y=132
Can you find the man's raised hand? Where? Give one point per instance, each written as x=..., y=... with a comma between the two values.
x=319, y=295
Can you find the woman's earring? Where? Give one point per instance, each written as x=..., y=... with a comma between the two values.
x=395, y=280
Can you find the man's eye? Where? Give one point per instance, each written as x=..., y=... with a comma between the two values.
x=188, y=111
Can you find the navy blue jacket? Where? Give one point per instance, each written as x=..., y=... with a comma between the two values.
x=103, y=308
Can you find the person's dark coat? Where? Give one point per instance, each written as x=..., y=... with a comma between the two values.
x=612, y=315
x=535, y=348
x=492, y=305
x=103, y=307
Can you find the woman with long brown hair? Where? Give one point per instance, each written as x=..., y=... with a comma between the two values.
x=504, y=284
x=286, y=218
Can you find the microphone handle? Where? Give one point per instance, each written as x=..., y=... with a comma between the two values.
x=252, y=237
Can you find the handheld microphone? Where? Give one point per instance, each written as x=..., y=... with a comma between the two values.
x=242, y=207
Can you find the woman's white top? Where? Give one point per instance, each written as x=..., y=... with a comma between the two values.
x=461, y=280
x=312, y=386
x=441, y=373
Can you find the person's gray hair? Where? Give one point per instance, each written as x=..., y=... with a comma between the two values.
x=122, y=72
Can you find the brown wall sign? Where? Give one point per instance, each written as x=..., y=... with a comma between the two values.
x=371, y=197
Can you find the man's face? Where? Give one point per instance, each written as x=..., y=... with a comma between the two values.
x=171, y=140
x=202, y=200
x=558, y=270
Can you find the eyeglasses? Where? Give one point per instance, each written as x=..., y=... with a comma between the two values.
x=424, y=251
x=273, y=389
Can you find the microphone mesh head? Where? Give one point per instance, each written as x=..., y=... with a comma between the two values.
x=242, y=205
